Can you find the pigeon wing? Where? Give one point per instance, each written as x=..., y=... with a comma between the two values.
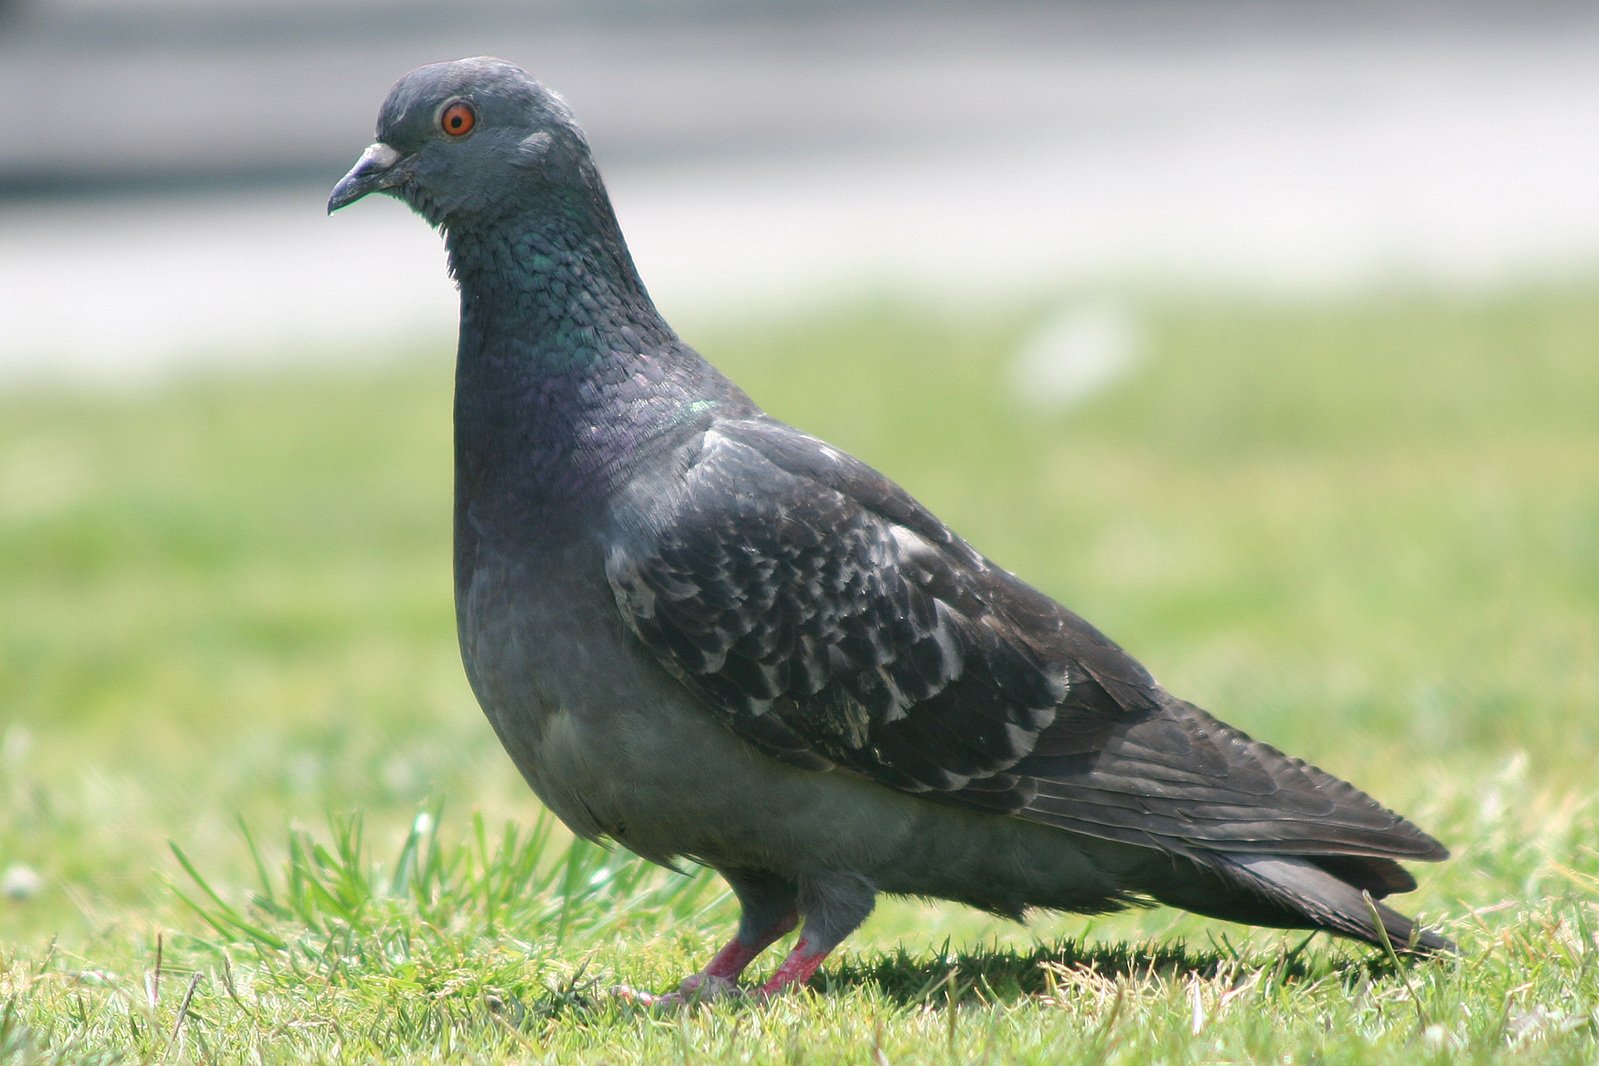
x=829, y=619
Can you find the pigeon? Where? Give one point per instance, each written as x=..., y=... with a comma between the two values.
x=708, y=636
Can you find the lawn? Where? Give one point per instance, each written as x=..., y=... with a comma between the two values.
x=250, y=812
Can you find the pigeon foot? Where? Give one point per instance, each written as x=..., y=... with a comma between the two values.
x=696, y=989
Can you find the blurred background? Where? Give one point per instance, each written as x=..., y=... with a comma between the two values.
x=1264, y=334
x=164, y=163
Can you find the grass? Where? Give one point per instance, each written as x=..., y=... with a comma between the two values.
x=250, y=812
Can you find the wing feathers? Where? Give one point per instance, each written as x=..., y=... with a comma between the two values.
x=829, y=619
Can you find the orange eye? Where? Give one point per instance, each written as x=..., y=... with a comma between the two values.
x=458, y=119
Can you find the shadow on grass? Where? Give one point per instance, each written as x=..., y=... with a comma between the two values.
x=1004, y=976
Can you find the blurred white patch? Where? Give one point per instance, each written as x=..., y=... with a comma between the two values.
x=20, y=883
x=1076, y=354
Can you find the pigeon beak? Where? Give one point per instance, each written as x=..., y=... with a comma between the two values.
x=373, y=171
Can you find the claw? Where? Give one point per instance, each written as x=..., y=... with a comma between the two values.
x=696, y=989
x=707, y=987
x=718, y=981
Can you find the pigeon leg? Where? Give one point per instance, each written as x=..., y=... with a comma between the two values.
x=739, y=952
x=769, y=910
x=801, y=963
x=833, y=908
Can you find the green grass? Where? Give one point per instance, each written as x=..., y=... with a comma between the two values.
x=264, y=820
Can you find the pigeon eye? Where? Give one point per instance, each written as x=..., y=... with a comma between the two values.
x=458, y=119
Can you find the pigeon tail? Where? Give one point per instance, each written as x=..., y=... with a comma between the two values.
x=1296, y=892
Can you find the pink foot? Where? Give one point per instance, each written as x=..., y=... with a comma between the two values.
x=696, y=988
x=719, y=978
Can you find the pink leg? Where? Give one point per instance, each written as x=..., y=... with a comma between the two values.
x=718, y=977
x=801, y=963
x=833, y=905
x=738, y=954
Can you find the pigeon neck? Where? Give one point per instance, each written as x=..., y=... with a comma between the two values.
x=557, y=278
x=567, y=378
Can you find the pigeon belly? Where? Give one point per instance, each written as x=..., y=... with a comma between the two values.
x=617, y=748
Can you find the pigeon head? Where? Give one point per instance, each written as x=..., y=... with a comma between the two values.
x=469, y=142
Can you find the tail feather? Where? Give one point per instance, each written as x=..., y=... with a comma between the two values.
x=1380, y=877
x=1298, y=892
x=1329, y=901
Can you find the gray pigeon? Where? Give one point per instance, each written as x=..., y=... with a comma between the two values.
x=702, y=633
